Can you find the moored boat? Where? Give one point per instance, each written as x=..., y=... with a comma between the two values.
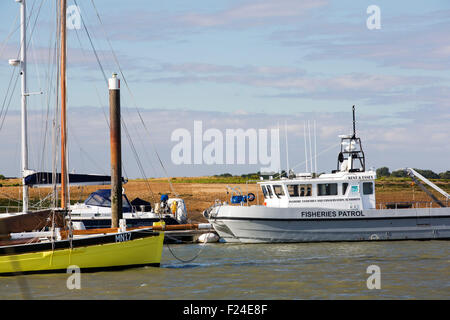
x=339, y=206
x=56, y=250
x=98, y=252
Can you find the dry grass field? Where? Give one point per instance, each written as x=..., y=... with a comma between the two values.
x=200, y=192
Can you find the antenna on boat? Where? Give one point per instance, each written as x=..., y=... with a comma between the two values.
x=310, y=147
x=315, y=148
x=351, y=151
x=279, y=149
x=306, y=150
x=287, y=149
x=354, y=122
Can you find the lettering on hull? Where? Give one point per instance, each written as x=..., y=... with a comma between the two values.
x=332, y=214
x=122, y=237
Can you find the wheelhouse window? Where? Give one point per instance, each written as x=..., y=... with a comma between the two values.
x=299, y=190
x=278, y=190
x=344, y=187
x=269, y=192
x=305, y=190
x=264, y=191
x=327, y=189
x=367, y=188
x=293, y=190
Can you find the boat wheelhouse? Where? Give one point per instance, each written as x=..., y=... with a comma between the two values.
x=340, y=190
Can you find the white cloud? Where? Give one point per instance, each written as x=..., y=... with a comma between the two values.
x=253, y=13
x=420, y=142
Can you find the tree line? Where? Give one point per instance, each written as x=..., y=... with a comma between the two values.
x=429, y=174
x=381, y=172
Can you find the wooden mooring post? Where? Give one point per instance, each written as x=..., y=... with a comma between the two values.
x=116, y=151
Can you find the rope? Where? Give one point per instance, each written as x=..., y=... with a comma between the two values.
x=202, y=246
x=134, y=151
x=10, y=98
x=11, y=32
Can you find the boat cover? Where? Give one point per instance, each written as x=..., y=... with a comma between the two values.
x=102, y=198
x=45, y=179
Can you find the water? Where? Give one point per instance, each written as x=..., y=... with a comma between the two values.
x=409, y=270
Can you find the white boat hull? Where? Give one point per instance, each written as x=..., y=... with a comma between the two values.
x=256, y=224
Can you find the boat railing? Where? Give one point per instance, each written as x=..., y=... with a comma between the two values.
x=406, y=204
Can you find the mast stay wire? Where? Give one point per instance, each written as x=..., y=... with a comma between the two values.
x=96, y=88
x=17, y=56
x=133, y=99
x=140, y=167
x=147, y=131
x=50, y=89
x=13, y=30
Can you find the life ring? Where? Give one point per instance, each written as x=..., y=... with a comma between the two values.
x=374, y=237
x=251, y=197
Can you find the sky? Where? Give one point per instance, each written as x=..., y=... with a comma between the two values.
x=257, y=65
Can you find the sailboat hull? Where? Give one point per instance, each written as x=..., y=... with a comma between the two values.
x=95, y=253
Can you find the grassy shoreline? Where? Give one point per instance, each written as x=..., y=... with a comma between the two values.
x=200, y=192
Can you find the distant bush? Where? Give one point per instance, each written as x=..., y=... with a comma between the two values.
x=383, y=172
x=444, y=175
x=225, y=175
x=2, y=177
x=250, y=175
x=428, y=174
x=399, y=174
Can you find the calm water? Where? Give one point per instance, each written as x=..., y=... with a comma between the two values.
x=409, y=270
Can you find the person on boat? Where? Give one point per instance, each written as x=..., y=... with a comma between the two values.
x=164, y=207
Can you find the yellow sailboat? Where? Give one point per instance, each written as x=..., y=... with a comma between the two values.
x=55, y=250
x=114, y=251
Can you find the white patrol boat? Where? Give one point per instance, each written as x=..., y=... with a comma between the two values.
x=331, y=207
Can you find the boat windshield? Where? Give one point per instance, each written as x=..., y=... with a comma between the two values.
x=299, y=190
x=278, y=190
x=264, y=190
x=269, y=191
x=102, y=198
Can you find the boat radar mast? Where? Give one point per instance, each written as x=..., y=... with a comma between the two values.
x=351, y=157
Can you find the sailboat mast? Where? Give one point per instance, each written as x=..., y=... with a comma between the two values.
x=64, y=200
x=23, y=75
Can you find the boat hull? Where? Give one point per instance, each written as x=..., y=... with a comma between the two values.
x=258, y=224
x=99, y=223
x=97, y=253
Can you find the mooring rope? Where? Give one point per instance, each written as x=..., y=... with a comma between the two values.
x=189, y=260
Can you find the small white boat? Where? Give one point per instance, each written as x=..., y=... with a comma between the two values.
x=339, y=206
x=95, y=211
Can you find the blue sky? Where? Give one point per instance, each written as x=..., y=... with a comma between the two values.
x=248, y=64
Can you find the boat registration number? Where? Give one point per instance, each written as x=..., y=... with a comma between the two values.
x=123, y=237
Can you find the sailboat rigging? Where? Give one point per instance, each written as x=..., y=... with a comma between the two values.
x=55, y=250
